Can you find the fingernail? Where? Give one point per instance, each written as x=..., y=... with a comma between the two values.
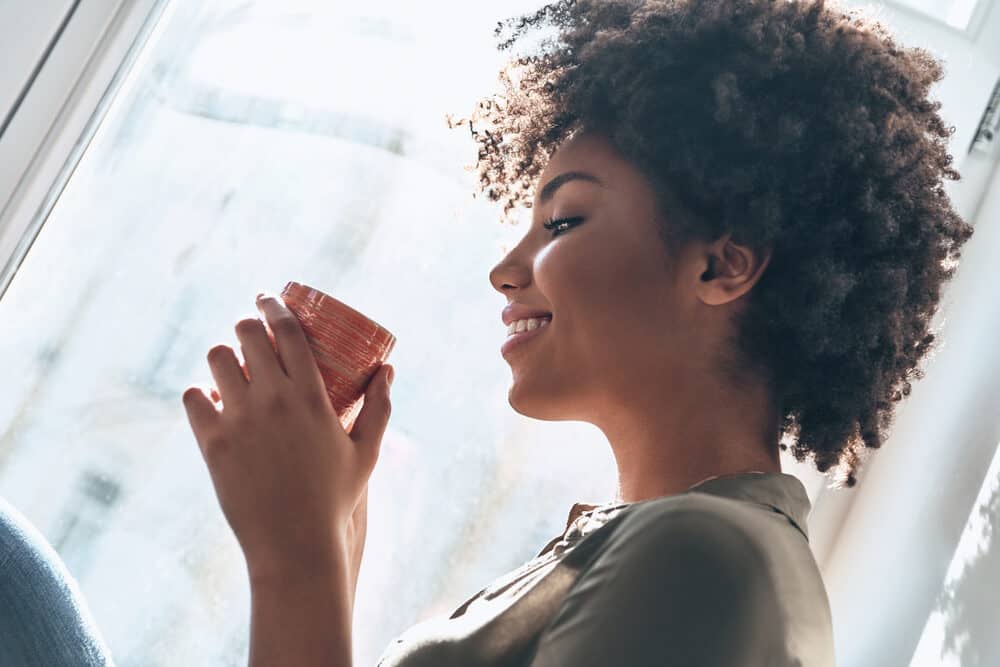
x=391, y=374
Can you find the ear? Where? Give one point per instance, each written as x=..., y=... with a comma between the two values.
x=729, y=270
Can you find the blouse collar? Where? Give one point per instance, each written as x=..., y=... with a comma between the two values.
x=780, y=491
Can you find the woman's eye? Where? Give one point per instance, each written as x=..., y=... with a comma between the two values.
x=560, y=225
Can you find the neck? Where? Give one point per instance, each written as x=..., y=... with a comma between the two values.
x=663, y=450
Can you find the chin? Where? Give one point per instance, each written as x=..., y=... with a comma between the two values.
x=539, y=406
x=522, y=405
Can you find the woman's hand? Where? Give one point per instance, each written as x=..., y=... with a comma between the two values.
x=357, y=527
x=291, y=482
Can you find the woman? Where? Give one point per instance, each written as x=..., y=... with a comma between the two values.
x=739, y=236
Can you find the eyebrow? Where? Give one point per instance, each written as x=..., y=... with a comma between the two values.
x=550, y=188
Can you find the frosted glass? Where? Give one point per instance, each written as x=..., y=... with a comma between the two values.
x=259, y=143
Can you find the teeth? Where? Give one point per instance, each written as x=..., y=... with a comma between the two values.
x=527, y=325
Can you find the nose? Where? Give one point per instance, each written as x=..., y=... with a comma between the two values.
x=510, y=272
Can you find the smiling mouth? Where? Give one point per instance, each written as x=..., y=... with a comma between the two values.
x=516, y=340
x=544, y=323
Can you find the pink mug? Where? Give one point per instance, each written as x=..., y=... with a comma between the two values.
x=349, y=347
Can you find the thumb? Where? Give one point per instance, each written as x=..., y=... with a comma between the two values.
x=374, y=416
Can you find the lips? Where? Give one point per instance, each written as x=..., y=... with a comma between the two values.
x=514, y=341
x=516, y=311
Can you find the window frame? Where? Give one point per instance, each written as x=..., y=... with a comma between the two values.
x=97, y=46
x=970, y=31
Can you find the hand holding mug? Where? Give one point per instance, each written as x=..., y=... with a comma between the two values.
x=287, y=474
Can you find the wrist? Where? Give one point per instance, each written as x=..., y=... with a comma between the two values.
x=325, y=562
x=301, y=615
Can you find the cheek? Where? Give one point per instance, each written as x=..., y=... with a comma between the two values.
x=600, y=292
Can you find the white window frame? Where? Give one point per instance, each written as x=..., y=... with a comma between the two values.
x=60, y=112
x=971, y=31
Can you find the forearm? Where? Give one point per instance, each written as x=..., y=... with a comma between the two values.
x=303, y=620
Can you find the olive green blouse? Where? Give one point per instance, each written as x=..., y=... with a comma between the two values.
x=719, y=575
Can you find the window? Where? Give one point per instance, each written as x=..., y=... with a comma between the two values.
x=256, y=143
x=955, y=13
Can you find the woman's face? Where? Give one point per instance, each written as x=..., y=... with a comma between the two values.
x=628, y=324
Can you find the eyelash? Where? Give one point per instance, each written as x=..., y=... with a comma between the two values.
x=553, y=223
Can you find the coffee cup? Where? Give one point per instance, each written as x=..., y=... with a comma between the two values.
x=349, y=347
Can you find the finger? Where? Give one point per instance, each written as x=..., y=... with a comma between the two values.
x=293, y=347
x=226, y=370
x=274, y=345
x=201, y=414
x=370, y=426
x=258, y=353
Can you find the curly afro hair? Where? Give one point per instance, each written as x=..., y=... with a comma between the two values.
x=799, y=128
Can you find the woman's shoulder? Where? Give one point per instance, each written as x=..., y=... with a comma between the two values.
x=718, y=545
x=706, y=514
x=758, y=525
x=681, y=573
x=744, y=540
x=723, y=530
x=675, y=558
